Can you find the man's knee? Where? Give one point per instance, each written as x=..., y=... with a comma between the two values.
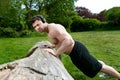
x=104, y=66
x=101, y=62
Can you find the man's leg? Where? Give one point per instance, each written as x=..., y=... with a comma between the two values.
x=109, y=70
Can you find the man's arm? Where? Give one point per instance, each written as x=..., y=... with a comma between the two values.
x=64, y=45
x=67, y=42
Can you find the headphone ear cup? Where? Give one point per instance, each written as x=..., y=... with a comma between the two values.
x=42, y=19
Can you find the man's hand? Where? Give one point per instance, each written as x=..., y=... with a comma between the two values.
x=51, y=51
x=49, y=46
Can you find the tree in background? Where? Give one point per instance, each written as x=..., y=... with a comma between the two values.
x=4, y=5
x=53, y=10
x=15, y=15
x=86, y=13
x=18, y=13
x=60, y=11
x=100, y=16
x=113, y=15
x=83, y=12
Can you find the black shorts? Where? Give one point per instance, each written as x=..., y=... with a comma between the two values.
x=84, y=61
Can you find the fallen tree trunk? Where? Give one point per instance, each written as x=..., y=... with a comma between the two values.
x=37, y=65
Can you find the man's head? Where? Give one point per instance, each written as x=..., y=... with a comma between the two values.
x=37, y=17
x=38, y=23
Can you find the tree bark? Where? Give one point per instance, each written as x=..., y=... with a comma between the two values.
x=37, y=65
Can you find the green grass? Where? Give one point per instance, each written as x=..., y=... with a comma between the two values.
x=104, y=45
x=16, y=48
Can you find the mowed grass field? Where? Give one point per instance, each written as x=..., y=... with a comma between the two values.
x=103, y=45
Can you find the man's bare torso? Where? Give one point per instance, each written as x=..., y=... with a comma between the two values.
x=57, y=34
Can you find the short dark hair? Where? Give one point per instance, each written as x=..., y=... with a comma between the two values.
x=37, y=17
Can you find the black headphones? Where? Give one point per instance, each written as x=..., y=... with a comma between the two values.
x=41, y=18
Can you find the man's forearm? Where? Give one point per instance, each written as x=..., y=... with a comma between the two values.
x=65, y=44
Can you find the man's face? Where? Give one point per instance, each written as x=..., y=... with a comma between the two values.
x=38, y=26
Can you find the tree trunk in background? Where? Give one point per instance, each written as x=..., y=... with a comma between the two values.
x=37, y=65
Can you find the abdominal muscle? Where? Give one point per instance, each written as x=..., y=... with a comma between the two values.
x=68, y=49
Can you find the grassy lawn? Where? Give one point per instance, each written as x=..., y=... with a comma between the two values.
x=104, y=45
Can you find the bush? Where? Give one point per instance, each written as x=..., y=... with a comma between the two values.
x=113, y=15
x=87, y=24
x=1, y=29
x=24, y=33
x=109, y=26
x=8, y=32
x=90, y=24
x=75, y=26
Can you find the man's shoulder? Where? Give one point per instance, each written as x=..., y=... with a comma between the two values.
x=54, y=24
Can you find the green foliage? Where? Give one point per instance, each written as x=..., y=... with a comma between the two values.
x=90, y=24
x=60, y=12
x=113, y=15
x=17, y=13
x=5, y=32
x=24, y=33
x=12, y=15
x=76, y=21
x=4, y=5
x=86, y=24
x=108, y=26
x=1, y=31
x=10, y=32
